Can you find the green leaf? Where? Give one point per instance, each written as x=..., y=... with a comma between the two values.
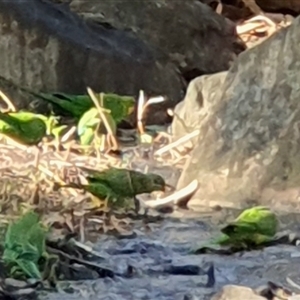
x=56, y=131
x=17, y=232
x=29, y=268
x=36, y=238
x=89, y=120
x=88, y=124
x=87, y=137
x=16, y=272
x=9, y=256
x=25, y=245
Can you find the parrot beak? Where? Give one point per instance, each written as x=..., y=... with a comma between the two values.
x=171, y=187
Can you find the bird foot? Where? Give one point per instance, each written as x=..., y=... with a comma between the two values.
x=96, y=202
x=162, y=136
x=100, y=204
x=137, y=205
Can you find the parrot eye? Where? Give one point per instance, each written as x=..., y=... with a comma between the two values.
x=159, y=181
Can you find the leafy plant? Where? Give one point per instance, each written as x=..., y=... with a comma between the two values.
x=24, y=247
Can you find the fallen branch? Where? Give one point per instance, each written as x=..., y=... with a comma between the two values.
x=175, y=197
x=68, y=134
x=141, y=109
x=255, y=23
x=180, y=141
x=9, y=104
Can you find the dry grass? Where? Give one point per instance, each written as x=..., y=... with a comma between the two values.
x=28, y=175
x=27, y=178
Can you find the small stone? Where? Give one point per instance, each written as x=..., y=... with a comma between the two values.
x=235, y=292
x=295, y=297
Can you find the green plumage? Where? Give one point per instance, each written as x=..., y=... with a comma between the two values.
x=77, y=105
x=252, y=227
x=24, y=127
x=119, y=184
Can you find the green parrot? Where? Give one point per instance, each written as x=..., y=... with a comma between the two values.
x=115, y=185
x=77, y=105
x=24, y=127
x=86, y=127
x=253, y=227
x=50, y=121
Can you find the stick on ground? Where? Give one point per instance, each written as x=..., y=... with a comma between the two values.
x=175, y=197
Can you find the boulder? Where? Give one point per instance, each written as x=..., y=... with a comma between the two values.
x=287, y=6
x=237, y=10
x=197, y=39
x=292, y=6
x=248, y=150
x=21, y=98
x=46, y=47
x=197, y=103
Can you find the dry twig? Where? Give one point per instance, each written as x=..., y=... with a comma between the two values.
x=9, y=104
x=175, y=197
x=180, y=141
x=103, y=118
x=141, y=109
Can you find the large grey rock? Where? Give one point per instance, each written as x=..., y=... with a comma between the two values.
x=277, y=5
x=196, y=38
x=197, y=104
x=21, y=98
x=248, y=150
x=46, y=47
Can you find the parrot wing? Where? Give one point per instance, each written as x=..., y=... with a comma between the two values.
x=74, y=105
x=238, y=228
x=120, y=181
x=265, y=220
x=253, y=214
x=28, y=131
x=258, y=220
x=120, y=106
x=77, y=105
x=103, y=192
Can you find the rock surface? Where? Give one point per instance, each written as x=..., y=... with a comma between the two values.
x=197, y=103
x=276, y=5
x=189, y=32
x=46, y=47
x=160, y=245
x=290, y=6
x=20, y=98
x=248, y=148
x=238, y=10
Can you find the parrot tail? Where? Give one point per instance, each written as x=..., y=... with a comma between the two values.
x=57, y=186
x=6, y=118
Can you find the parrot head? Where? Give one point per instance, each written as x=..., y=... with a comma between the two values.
x=156, y=182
